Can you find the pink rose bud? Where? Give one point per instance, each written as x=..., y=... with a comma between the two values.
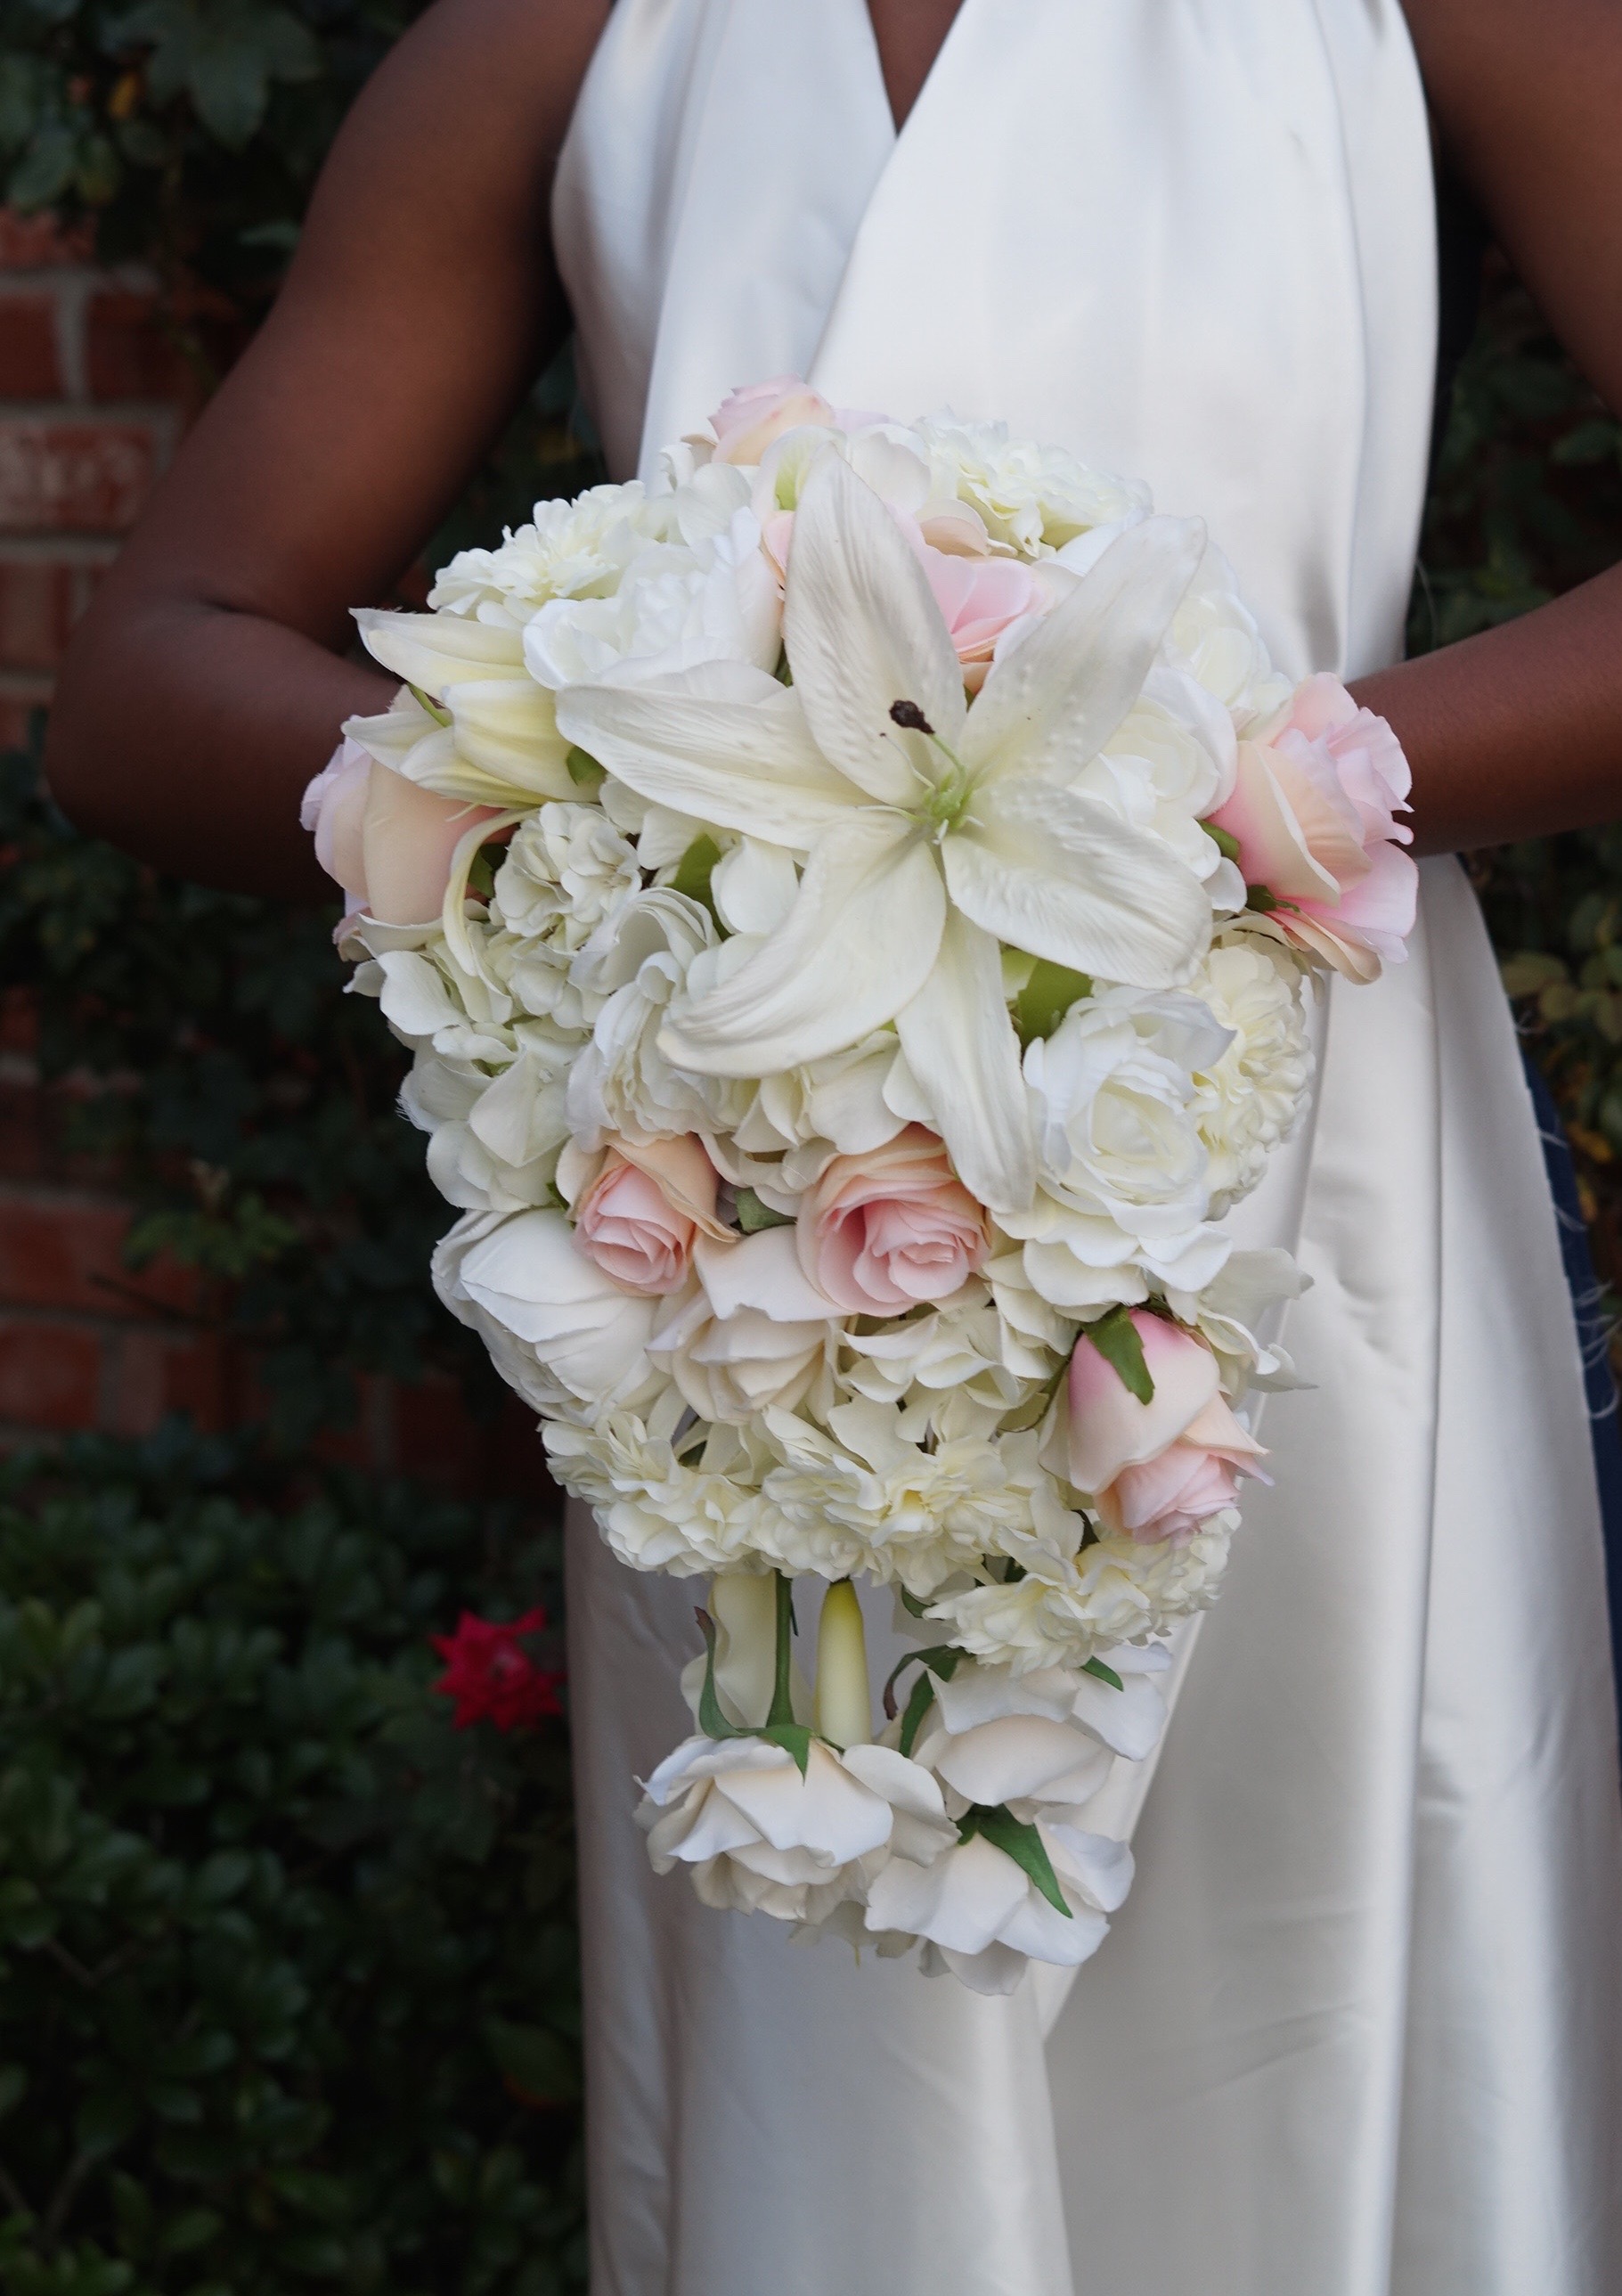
x=1313, y=810
x=745, y=423
x=1156, y=1470
x=639, y=1217
x=882, y=1231
x=387, y=842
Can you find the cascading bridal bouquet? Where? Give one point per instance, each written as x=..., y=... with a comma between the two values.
x=852, y=909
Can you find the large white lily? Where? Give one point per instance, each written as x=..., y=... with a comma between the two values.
x=934, y=829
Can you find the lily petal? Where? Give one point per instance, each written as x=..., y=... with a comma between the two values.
x=863, y=631
x=961, y=1045
x=722, y=742
x=1061, y=876
x=437, y=652
x=1053, y=700
x=858, y=945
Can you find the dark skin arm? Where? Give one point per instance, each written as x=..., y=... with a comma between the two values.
x=206, y=685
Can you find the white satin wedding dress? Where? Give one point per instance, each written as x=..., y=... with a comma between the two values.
x=1358, y=2030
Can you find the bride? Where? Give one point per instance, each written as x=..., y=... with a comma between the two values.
x=1359, y=2030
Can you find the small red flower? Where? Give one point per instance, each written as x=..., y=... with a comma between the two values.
x=491, y=1678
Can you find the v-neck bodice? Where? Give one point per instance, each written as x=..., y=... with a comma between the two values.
x=1194, y=243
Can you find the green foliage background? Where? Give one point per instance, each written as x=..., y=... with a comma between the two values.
x=286, y=1966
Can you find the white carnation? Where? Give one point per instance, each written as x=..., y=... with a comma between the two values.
x=576, y=549
x=1035, y=497
x=679, y=607
x=1250, y=1101
x=654, y=1510
x=1115, y=1590
x=566, y=868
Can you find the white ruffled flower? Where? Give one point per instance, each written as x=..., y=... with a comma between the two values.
x=859, y=1497
x=1171, y=762
x=1064, y=1611
x=964, y=1351
x=714, y=601
x=636, y=962
x=1229, y=1315
x=1250, y=1101
x=502, y=1154
x=567, y=867
x=759, y=1836
x=577, y=549
x=656, y=1510
x=1035, y=497
x=1124, y=1174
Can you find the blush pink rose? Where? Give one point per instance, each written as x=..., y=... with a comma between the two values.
x=388, y=842
x=1156, y=1470
x=882, y=1231
x=980, y=600
x=640, y=1214
x=1314, y=811
x=745, y=423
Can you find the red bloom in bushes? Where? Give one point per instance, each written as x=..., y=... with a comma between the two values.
x=491, y=1678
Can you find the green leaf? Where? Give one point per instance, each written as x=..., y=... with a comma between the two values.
x=1096, y=1667
x=13, y=2087
x=753, y=1214
x=793, y=1737
x=1116, y=1338
x=917, y=1706
x=583, y=768
x=712, y=1721
x=539, y=2064
x=693, y=872
x=1046, y=998
x=1023, y=1844
x=1223, y=840
x=45, y=169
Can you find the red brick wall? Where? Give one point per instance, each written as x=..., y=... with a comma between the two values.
x=97, y=384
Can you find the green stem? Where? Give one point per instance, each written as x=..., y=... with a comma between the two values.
x=782, y=1701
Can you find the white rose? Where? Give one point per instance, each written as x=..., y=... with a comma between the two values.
x=759, y=1836
x=1212, y=636
x=524, y=1275
x=1251, y=1100
x=636, y=961
x=1124, y=1173
x=750, y=1332
x=1169, y=764
x=501, y=1155
x=566, y=868
x=577, y=549
x=856, y=1101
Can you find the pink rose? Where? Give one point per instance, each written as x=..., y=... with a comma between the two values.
x=639, y=1217
x=1156, y=1470
x=882, y=1231
x=388, y=842
x=1313, y=812
x=980, y=599
x=745, y=423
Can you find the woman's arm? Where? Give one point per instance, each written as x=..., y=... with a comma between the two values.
x=1518, y=732
x=207, y=681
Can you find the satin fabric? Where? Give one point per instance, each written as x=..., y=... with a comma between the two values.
x=1357, y=2032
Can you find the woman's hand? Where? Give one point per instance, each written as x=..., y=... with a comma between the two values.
x=206, y=685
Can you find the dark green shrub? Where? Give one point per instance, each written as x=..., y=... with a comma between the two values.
x=287, y=1970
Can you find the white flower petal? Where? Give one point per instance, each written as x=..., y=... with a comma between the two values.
x=1018, y=1757
x=858, y=945
x=960, y=1046
x=863, y=632
x=962, y=1899
x=438, y=652
x=722, y=742
x=1052, y=700
x=1062, y=877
